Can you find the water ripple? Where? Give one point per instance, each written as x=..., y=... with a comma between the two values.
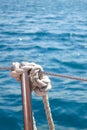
x=54, y=35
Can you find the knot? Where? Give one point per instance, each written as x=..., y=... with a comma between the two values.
x=40, y=83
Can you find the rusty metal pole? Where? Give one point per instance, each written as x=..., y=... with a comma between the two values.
x=26, y=99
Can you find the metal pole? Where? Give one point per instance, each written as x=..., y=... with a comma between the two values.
x=26, y=99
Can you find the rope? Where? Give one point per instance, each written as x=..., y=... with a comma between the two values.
x=34, y=124
x=48, y=112
x=6, y=68
x=65, y=76
x=40, y=84
x=51, y=74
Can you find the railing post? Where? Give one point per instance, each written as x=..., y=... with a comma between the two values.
x=26, y=100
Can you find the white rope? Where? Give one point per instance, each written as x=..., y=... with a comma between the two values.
x=48, y=112
x=34, y=124
x=40, y=84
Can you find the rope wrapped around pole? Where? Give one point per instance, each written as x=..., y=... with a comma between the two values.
x=39, y=83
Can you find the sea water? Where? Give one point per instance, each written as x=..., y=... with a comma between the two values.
x=52, y=33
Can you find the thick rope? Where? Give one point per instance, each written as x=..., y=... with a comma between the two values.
x=40, y=84
x=48, y=112
x=34, y=124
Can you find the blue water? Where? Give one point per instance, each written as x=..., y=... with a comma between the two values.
x=52, y=33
